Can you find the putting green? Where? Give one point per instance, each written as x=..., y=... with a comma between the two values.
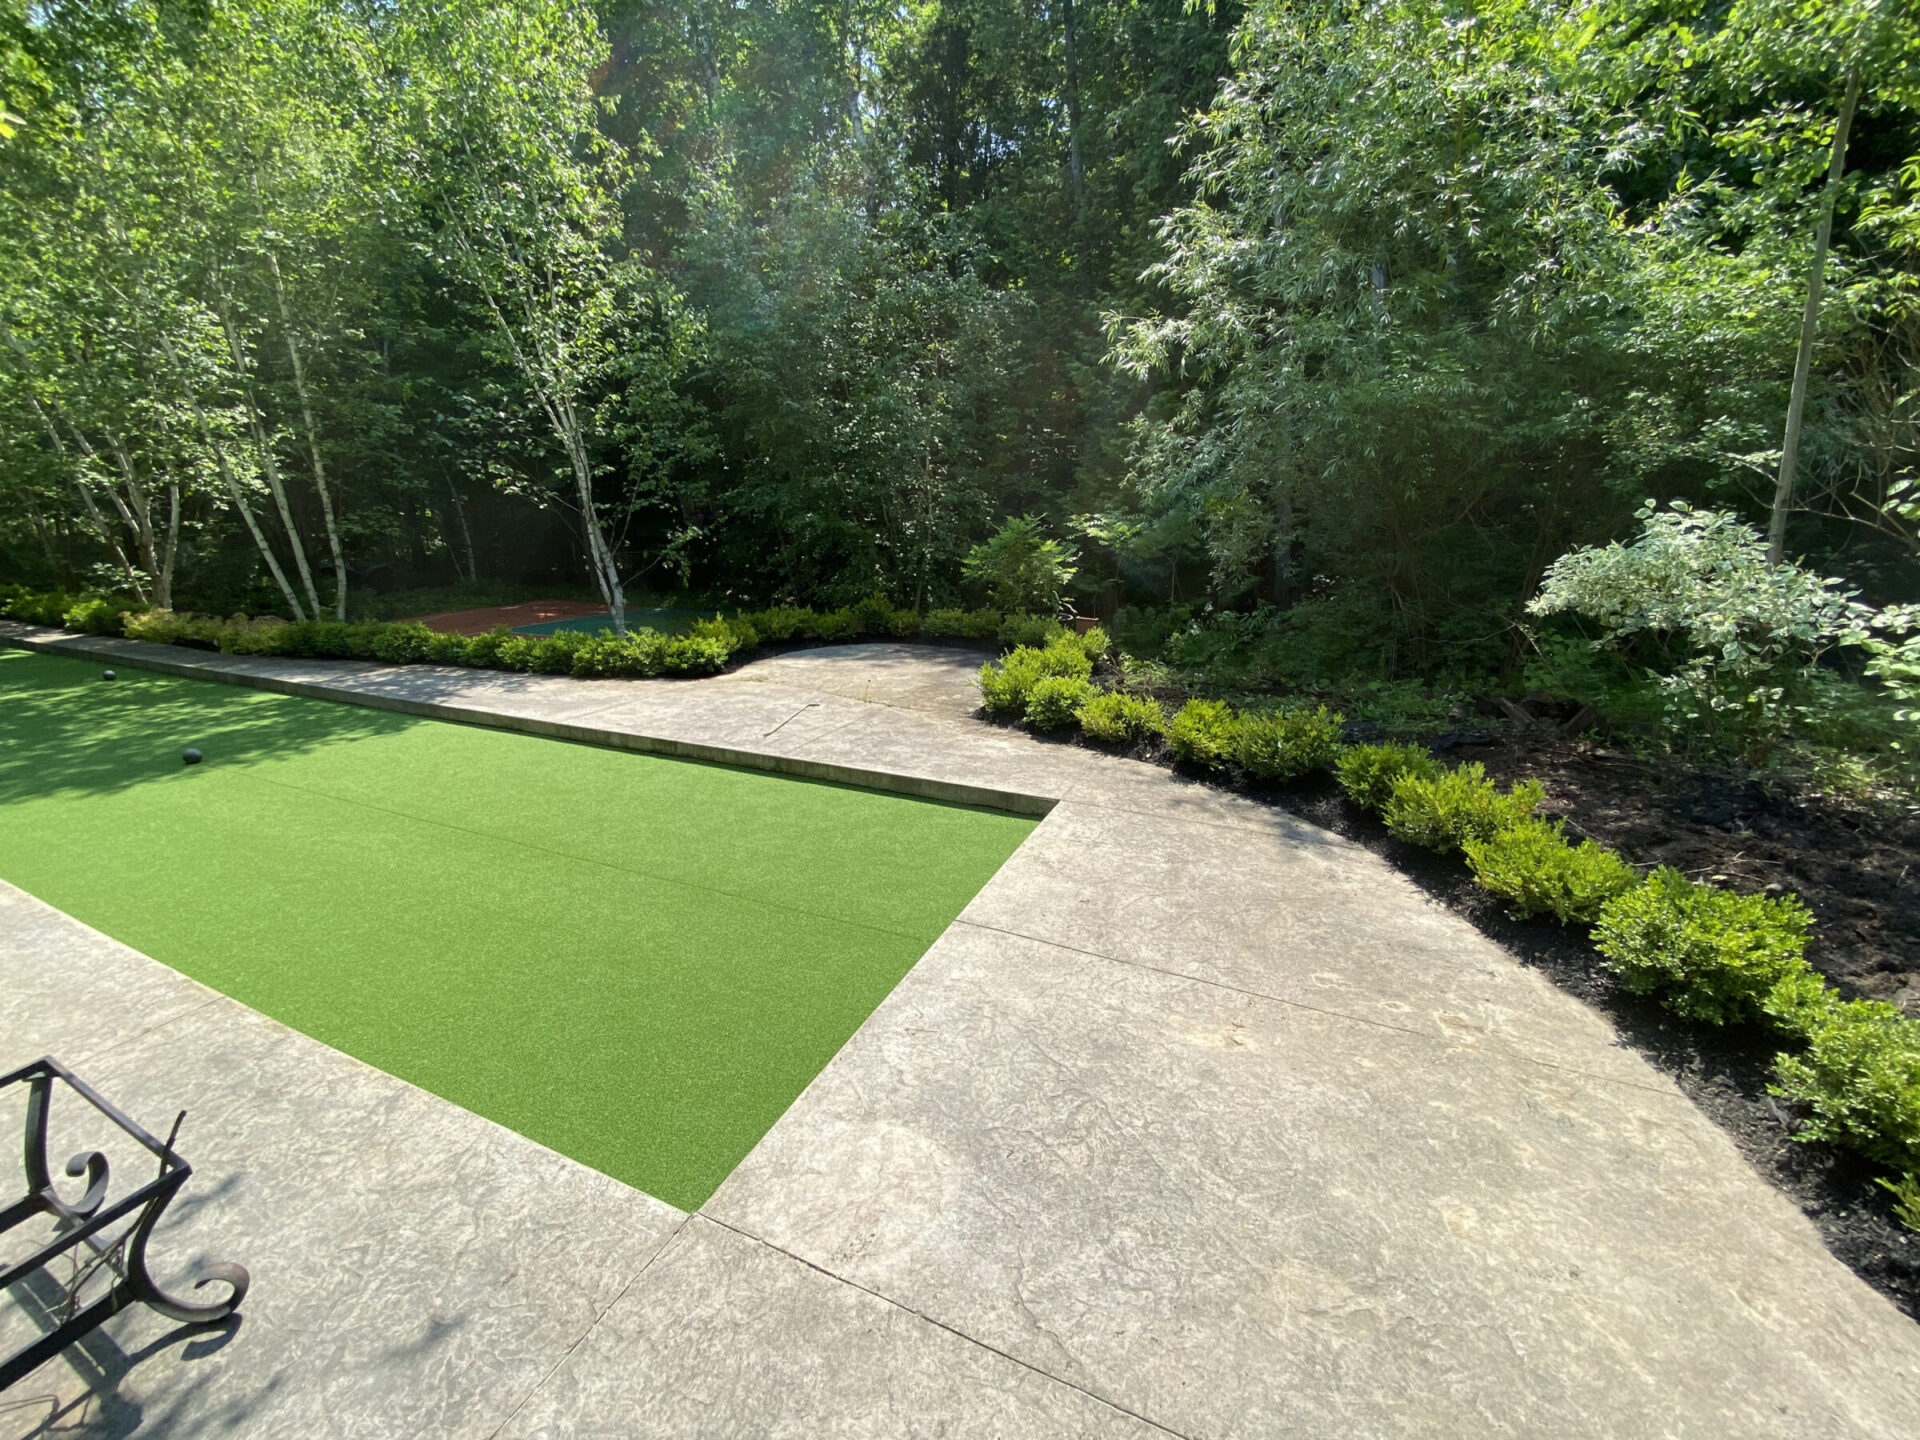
x=637, y=961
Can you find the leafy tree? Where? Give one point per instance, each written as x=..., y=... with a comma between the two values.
x=1020, y=568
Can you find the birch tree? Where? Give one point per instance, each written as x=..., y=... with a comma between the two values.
x=493, y=135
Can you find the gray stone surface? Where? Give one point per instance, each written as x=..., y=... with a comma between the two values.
x=726, y=1337
x=1318, y=921
x=417, y=1270
x=938, y=679
x=1199, y=1118
x=73, y=993
x=1241, y=1217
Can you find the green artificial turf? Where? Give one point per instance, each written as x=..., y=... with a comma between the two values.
x=635, y=960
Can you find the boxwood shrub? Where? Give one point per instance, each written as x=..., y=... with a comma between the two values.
x=1287, y=744
x=1709, y=954
x=1054, y=701
x=1204, y=733
x=97, y=615
x=1457, y=805
x=1532, y=867
x=1115, y=719
x=1005, y=687
x=961, y=624
x=35, y=607
x=1367, y=772
x=1859, y=1078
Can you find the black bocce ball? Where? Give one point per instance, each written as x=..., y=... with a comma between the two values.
x=190, y=756
x=108, y=675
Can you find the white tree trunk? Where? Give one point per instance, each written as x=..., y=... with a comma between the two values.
x=600, y=554
x=313, y=440
x=1809, y=328
x=269, y=465
x=163, y=583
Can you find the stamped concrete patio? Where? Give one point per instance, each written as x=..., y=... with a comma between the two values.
x=1199, y=1121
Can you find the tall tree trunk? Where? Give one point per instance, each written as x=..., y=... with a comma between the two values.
x=313, y=435
x=1075, y=169
x=269, y=465
x=606, y=573
x=1810, y=327
x=139, y=514
x=105, y=531
x=163, y=583
x=234, y=492
x=546, y=376
x=239, y=499
x=472, y=573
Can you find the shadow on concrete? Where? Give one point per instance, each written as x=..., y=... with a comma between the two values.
x=36, y=1407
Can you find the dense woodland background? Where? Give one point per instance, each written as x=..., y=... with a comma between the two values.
x=1316, y=330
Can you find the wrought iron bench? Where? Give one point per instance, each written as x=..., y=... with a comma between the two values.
x=81, y=1228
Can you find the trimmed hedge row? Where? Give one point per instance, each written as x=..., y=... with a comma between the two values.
x=1049, y=686
x=1710, y=955
x=640, y=653
x=705, y=649
x=92, y=612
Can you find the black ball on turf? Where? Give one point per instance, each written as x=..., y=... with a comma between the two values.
x=108, y=675
x=190, y=756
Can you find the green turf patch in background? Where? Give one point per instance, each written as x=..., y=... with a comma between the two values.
x=635, y=960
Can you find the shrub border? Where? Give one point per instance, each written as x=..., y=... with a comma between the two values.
x=1804, y=1008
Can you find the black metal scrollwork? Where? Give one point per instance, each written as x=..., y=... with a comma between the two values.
x=84, y=1229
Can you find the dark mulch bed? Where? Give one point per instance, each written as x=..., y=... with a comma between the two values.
x=1858, y=870
x=1850, y=865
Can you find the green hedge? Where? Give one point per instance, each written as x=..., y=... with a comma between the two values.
x=707, y=647
x=1445, y=811
x=1006, y=687
x=1055, y=702
x=1710, y=954
x=1368, y=772
x=1859, y=1077
x=1115, y=719
x=1287, y=744
x=1531, y=866
x=1204, y=734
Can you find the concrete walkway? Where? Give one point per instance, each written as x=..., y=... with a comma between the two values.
x=1199, y=1121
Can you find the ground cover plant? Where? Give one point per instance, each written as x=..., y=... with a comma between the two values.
x=635, y=960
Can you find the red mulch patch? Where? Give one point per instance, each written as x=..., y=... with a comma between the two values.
x=534, y=612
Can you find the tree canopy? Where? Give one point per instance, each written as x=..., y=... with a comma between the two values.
x=1360, y=312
